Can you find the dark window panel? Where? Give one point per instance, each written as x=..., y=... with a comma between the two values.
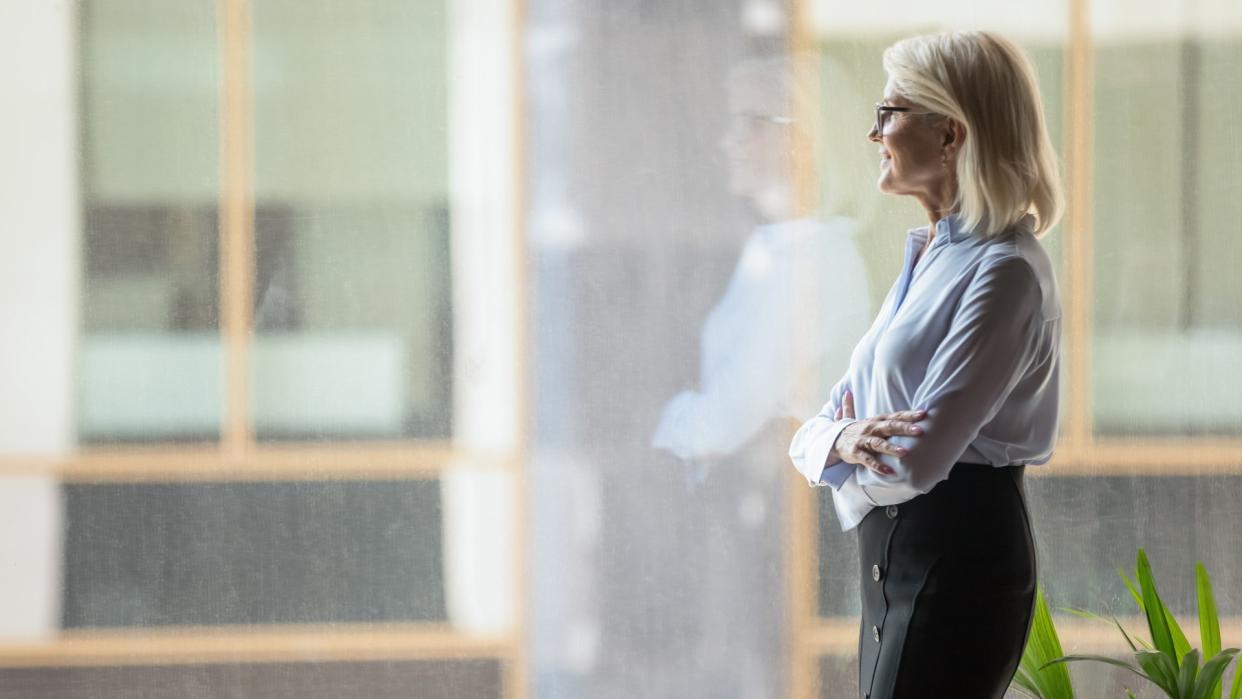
x=838, y=679
x=1088, y=528
x=386, y=680
x=252, y=553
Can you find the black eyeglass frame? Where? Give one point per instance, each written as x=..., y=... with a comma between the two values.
x=882, y=109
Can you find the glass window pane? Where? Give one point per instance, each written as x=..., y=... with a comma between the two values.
x=150, y=285
x=353, y=314
x=1088, y=528
x=448, y=679
x=1167, y=348
x=838, y=564
x=252, y=553
x=836, y=674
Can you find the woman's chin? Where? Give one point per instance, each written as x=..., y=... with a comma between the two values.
x=888, y=184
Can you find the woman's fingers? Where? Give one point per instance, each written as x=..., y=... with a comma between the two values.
x=874, y=464
x=889, y=428
x=908, y=415
x=840, y=413
x=867, y=439
x=883, y=446
x=862, y=449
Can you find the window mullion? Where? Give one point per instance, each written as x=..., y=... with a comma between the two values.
x=237, y=243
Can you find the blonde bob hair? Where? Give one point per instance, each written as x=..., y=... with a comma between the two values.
x=1007, y=167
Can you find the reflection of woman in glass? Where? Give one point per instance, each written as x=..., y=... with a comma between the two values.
x=760, y=365
x=954, y=388
x=761, y=357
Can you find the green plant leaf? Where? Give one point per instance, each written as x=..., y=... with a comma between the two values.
x=1082, y=613
x=1138, y=602
x=1209, y=621
x=1189, y=673
x=1042, y=645
x=1098, y=659
x=1236, y=690
x=1153, y=608
x=1129, y=641
x=1181, y=645
x=1024, y=685
x=1138, y=598
x=1209, y=684
x=1159, y=669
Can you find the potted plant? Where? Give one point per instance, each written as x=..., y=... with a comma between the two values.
x=1168, y=661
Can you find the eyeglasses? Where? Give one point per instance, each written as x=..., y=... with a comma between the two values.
x=882, y=111
x=767, y=118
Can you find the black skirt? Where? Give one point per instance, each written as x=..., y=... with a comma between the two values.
x=948, y=589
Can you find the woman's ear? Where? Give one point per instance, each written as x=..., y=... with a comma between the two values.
x=954, y=136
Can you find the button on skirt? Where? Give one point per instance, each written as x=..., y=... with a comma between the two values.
x=948, y=589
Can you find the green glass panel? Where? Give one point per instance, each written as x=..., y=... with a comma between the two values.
x=150, y=285
x=1167, y=343
x=353, y=313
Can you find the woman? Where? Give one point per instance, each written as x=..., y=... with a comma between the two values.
x=953, y=390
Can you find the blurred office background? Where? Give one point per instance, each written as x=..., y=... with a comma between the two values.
x=451, y=348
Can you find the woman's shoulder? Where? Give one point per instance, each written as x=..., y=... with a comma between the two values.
x=1019, y=265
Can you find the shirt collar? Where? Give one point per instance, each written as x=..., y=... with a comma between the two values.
x=950, y=229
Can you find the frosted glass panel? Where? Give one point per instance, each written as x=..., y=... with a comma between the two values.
x=150, y=365
x=1167, y=353
x=353, y=313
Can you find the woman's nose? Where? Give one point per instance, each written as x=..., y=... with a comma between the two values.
x=873, y=134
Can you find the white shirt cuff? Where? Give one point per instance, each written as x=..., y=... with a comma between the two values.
x=833, y=473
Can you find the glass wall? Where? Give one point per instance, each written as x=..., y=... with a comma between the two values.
x=453, y=349
x=1147, y=456
x=244, y=473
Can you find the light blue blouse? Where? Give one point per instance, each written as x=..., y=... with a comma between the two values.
x=971, y=333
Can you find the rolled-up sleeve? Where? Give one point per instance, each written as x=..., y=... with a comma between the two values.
x=992, y=341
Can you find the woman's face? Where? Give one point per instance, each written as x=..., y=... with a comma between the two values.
x=757, y=144
x=912, y=149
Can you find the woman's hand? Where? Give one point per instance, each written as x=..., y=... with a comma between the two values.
x=861, y=441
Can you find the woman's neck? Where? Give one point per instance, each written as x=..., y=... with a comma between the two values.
x=938, y=204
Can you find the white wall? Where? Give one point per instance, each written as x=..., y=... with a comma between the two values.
x=39, y=244
x=481, y=536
